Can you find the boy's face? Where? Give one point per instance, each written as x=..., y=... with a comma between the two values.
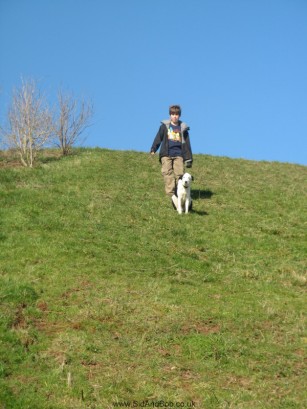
x=174, y=118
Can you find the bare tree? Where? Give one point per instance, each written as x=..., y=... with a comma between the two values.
x=30, y=124
x=73, y=119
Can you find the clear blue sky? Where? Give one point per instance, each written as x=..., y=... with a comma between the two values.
x=237, y=67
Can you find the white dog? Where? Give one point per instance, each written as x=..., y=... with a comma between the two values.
x=183, y=200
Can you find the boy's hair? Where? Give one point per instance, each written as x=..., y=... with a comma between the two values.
x=175, y=109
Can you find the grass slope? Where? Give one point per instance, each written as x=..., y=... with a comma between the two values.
x=109, y=298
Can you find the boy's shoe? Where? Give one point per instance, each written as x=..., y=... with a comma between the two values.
x=174, y=202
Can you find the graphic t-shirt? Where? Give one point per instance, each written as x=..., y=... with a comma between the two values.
x=174, y=140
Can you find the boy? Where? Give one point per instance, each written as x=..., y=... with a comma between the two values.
x=173, y=136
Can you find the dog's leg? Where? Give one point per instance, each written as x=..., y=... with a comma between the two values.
x=175, y=201
x=179, y=207
x=188, y=201
x=187, y=205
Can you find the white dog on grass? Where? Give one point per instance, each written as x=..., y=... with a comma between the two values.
x=183, y=199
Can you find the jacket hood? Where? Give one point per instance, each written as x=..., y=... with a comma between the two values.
x=183, y=125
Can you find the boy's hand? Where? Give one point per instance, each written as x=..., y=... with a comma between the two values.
x=152, y=153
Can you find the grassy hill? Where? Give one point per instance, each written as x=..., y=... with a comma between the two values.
x=109, y=298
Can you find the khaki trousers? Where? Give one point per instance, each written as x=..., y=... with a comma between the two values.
x=172, y=169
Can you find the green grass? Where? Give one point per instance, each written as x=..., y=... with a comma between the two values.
x=108, y=295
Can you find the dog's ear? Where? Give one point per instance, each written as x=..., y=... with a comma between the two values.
x=193, y=178
x=180, y=177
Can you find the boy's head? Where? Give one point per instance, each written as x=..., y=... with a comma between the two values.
x=175, y=110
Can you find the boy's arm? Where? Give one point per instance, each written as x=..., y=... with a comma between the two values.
x=189, y=155
x=157, y=141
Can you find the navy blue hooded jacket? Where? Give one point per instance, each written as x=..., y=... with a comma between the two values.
x=162, y=139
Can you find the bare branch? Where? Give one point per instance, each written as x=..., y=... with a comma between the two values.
x=30, y=124
x=72, y=121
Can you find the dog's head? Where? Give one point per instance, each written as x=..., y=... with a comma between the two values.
x=186, y=179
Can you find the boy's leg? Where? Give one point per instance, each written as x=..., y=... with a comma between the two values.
x=178, y=167
x=168, y=175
